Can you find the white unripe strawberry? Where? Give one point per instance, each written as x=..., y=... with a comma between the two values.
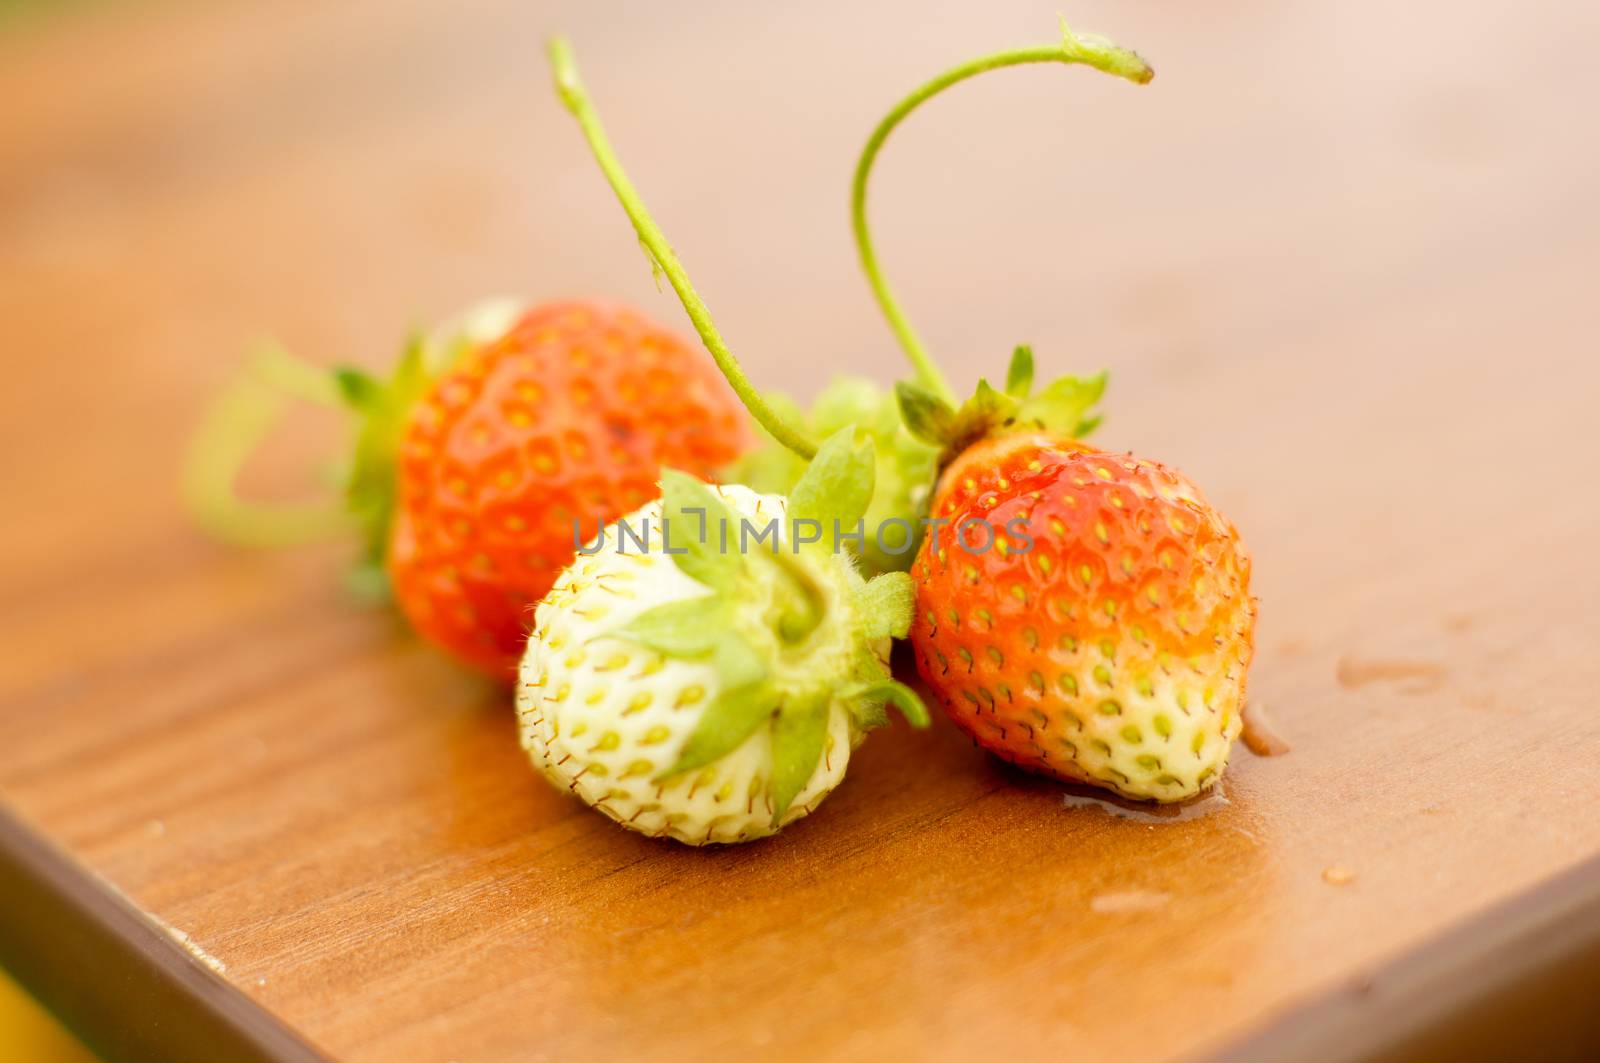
x=714, y=694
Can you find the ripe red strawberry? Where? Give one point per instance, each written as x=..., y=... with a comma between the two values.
x=478, y=453
x=567, y=417
x=1082, y=614
x=1105, y=635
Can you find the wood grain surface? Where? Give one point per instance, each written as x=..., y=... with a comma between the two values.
x=1341, y=260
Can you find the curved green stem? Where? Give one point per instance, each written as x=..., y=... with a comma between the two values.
x=573, y=95
x=231, y=432
x=296, y=377
x=1073, y=48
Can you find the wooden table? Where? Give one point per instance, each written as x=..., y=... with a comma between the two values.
x=1341, y=260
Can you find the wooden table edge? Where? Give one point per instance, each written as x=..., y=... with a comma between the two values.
x=116, y=978
x=1521, y=976
x=130, y=990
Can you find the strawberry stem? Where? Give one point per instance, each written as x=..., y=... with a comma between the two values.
x=231, y=432
x=575, y=98
x=1072, y=48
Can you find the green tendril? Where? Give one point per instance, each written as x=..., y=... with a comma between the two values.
x=662, y=258
x=232, y=431
x=1072, y=48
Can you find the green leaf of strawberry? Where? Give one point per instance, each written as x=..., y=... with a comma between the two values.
x=738, y=664
x=798, y=740
x=725, y=725
x=694, y=524
x=838, y=483
x=687, y=628
x=885, y=605
x=1019, y=376
x=904, y=467
x=927, y=416
x=381, y=408
x=1061, y=408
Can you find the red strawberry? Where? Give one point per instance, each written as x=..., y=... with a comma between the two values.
x=475, y=458
x=1105, y=635
x=568, y=417
x=1083, y=614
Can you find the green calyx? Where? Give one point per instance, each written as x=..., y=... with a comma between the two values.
x=1062, y=408
x=789, y=627
x=381, y=409
x=904, y=468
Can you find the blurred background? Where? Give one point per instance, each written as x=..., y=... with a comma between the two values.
x=29, y=1033
x=333, y=174
x=1316, y=207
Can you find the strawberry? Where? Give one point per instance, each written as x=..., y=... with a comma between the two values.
x=690, y=689
x=1105, y=635
x=556, y=426
x=1080, y=613
x=713, y=692
x=485, y=456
